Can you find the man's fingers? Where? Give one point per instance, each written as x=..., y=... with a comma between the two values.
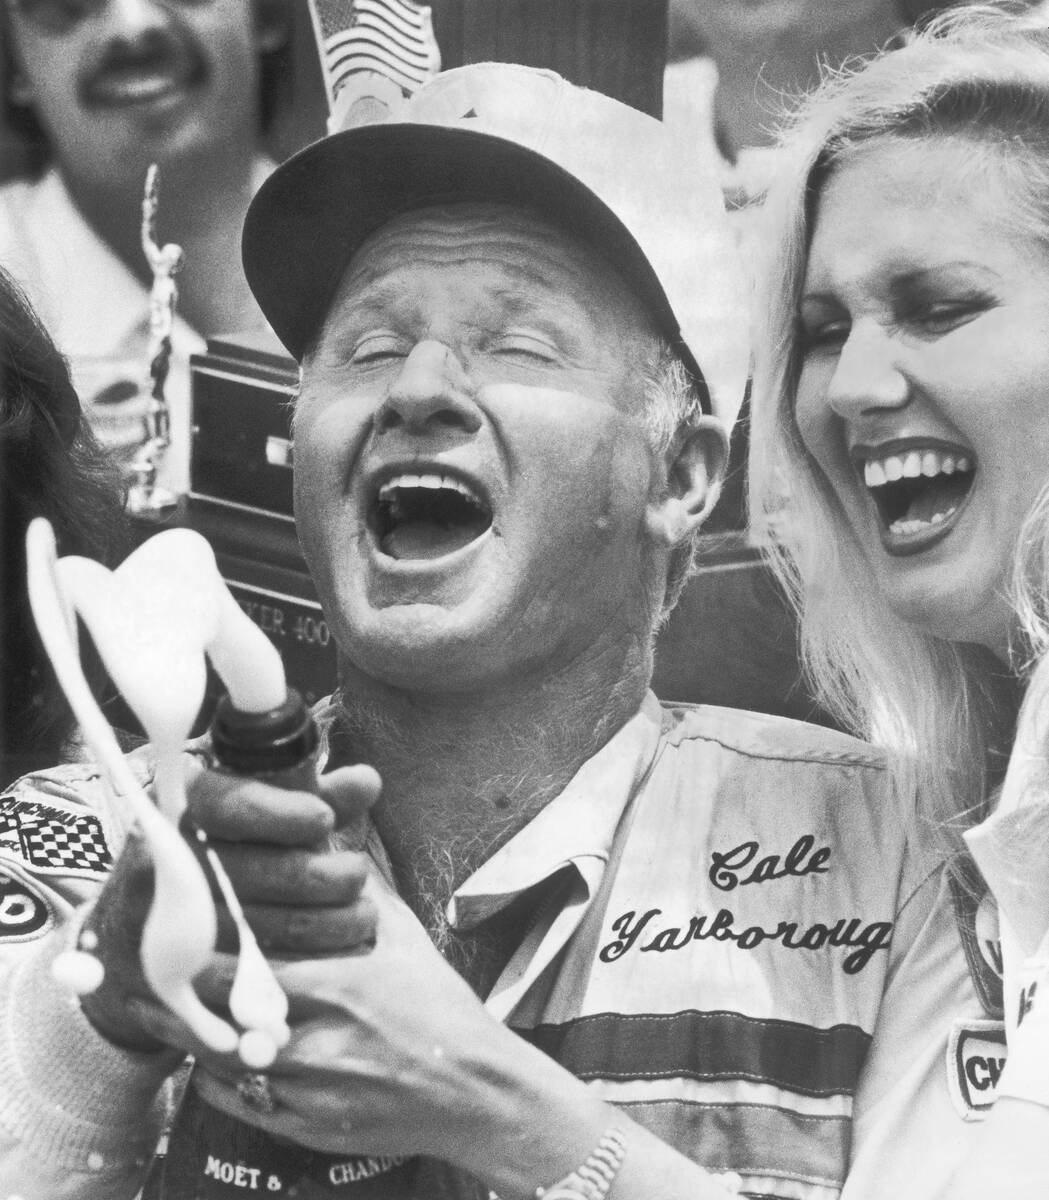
x=165, y=1027
x=237, y=810
x=311, y=931
x=297, y=877
x=221, y=1094
x=350, y=791
x=214, y=981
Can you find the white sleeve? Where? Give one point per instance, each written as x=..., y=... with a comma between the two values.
x=921, y=1089
x=79, y=1117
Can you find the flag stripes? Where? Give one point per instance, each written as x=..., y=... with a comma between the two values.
x=391, y=37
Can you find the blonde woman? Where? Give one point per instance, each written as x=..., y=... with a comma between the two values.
x=901, y=439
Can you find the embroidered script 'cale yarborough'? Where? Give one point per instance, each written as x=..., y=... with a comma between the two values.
x=851, y=931
x=733, y=869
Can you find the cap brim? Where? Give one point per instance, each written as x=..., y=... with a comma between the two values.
x=314, y=212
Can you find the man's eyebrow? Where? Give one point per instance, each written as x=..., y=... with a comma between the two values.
x=377, y=294
x=512, y=300
x=515, y=302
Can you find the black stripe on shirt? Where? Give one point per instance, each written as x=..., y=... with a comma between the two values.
x=707, y=1046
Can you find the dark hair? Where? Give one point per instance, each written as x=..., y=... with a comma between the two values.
x=50, y=466
x=22, y=120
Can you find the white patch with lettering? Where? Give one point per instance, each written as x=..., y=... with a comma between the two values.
x=25, y=913
x=976, y=1056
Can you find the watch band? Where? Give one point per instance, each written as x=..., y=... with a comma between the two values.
x=593, y=1179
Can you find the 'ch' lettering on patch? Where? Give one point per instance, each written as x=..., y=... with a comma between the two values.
x=976, y=1054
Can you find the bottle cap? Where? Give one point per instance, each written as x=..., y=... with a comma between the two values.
x=255, y=743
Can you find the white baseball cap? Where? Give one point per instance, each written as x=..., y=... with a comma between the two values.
x=609, y=174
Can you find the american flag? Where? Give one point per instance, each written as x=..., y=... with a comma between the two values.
x=392, y=38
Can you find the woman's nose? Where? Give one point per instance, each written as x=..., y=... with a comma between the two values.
x=868, y=374
x=431, y=389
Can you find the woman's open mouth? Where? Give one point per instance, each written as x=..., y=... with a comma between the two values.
x=427, y=515
x=918, y=493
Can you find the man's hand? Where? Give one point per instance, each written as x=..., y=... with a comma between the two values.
x=301, y=892
x=285, y=855
x=391, y=1053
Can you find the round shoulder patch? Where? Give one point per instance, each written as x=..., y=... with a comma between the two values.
x=24, y=911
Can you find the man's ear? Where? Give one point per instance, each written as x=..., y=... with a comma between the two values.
x=695, y=468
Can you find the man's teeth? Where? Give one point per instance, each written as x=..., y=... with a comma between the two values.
x=430, y=480
x=930, y=463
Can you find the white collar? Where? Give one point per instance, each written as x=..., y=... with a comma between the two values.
x=575, y=828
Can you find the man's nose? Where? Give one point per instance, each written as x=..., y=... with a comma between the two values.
x=869, y=373
x=431, y=389
x=132, y=18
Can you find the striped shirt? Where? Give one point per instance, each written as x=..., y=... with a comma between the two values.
x=736, y=928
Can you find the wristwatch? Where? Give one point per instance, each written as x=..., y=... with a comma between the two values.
x=593, y=1179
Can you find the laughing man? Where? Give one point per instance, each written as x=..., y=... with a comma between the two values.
x=665, y=943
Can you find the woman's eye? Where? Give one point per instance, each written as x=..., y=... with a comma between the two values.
x=825, y=335
x=376, y=349
x=943, y=316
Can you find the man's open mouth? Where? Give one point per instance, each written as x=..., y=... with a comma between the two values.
x=427, y=516
x=919, y=491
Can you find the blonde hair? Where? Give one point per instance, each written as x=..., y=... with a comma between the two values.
x=1030, y=585
x=941, y=708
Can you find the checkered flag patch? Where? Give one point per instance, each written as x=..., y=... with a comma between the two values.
x=48, y=838
x=79, y=846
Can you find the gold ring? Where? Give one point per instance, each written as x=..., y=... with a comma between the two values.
x=253, y=1088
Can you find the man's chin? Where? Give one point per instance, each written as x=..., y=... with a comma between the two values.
x=425, y=646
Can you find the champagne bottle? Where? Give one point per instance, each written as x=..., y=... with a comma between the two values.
x=210, y=1155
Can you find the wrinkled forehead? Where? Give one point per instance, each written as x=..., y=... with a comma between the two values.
x=502, y=254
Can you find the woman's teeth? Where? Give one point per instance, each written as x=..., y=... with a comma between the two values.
x=937, y=518
x=919, y=489
x=929, y=463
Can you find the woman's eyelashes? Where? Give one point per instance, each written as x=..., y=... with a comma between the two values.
x=940, y=316
x=926, y=318
x=821, y=335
